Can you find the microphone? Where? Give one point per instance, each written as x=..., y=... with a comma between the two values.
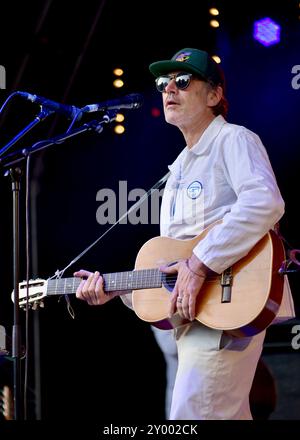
x=132, y=101
x=70, y=111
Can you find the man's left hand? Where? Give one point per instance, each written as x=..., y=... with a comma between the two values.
x=191, y=275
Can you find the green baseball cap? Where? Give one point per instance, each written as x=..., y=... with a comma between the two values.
x=190, y=60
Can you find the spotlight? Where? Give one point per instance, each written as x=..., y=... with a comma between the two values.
x=214, y=11
x=216, y=58
x=119, y=129
x=120, y=117
x=214, y=23
x=118, y=82
x=266, y=31
x=118, y=71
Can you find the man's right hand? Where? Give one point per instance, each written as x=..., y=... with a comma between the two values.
x=91, y=288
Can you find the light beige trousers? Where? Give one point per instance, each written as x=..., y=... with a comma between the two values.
x=214, y=374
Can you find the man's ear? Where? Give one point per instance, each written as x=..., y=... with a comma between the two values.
x=214, y=96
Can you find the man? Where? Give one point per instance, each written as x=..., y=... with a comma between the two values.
x=223, y=173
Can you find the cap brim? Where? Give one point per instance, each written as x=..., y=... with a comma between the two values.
x=162, y=67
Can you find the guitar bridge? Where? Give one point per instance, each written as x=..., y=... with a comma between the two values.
x=226, y=283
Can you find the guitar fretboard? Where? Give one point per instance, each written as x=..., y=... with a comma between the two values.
x=131, y=280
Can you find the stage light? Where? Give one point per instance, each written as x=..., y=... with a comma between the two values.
x=155, y=112
x=120, y=117
x=266, y=31
x=118, y=83
x=118, y=71
x=214, y=11
x=119, y=129
x=214, y=23
x=216, y=58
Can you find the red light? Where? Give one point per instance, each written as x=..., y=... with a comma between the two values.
x=155, y=112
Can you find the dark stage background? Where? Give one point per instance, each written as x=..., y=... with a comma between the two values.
x=105, y=364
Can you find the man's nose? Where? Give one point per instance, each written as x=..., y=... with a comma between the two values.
x=171, y=86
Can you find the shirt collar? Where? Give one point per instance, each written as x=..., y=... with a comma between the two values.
x=209, y=134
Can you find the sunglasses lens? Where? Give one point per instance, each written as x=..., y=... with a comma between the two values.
x=162, y=82
x=182, y=80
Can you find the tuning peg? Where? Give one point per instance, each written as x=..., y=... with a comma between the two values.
x=35, y=305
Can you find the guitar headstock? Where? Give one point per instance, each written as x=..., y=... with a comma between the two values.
x=37, y=291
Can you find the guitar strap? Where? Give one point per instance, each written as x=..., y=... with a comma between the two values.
x=59, y=273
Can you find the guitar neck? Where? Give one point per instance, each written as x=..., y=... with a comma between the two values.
x=117, y=281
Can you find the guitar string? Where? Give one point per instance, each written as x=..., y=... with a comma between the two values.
x=133, y=279
x=141, y=276
x=136, y=278
x=121, y=285
x=59, y=273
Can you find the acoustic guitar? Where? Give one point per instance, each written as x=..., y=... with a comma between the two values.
x=243, y=300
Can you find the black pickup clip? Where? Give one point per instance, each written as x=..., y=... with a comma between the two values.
x=226, y=283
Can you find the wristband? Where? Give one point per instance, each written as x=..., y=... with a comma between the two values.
x=191, y=270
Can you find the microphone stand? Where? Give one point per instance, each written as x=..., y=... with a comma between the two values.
x=15, y=174
x=12, y=165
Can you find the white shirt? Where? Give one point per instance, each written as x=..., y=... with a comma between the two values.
x=226, y=175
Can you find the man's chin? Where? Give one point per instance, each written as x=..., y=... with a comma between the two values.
x=171, y=117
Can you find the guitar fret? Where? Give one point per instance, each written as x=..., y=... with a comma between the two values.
x=131, y=280
x=73, y=287
x=62, y=286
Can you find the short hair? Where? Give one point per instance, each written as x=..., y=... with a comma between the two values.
x=222, y=107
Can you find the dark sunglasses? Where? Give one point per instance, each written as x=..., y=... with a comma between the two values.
x=182, y=80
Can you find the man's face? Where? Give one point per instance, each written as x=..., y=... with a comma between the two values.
x=184, y=107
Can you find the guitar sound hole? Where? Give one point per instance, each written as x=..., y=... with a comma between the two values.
x=169, y=281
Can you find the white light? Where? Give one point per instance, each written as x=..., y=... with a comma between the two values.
x=214, y=23
x=118, y=83
x=120, y=117
x=118, y=71
x=214, y=11
x=119, y=129
x=216, y=58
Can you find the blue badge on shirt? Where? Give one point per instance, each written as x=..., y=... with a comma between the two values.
x=194, y=189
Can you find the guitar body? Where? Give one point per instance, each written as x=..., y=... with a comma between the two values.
x=256, y=290
x=245, y=306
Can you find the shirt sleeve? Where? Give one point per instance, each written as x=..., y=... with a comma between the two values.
x=258, y=207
